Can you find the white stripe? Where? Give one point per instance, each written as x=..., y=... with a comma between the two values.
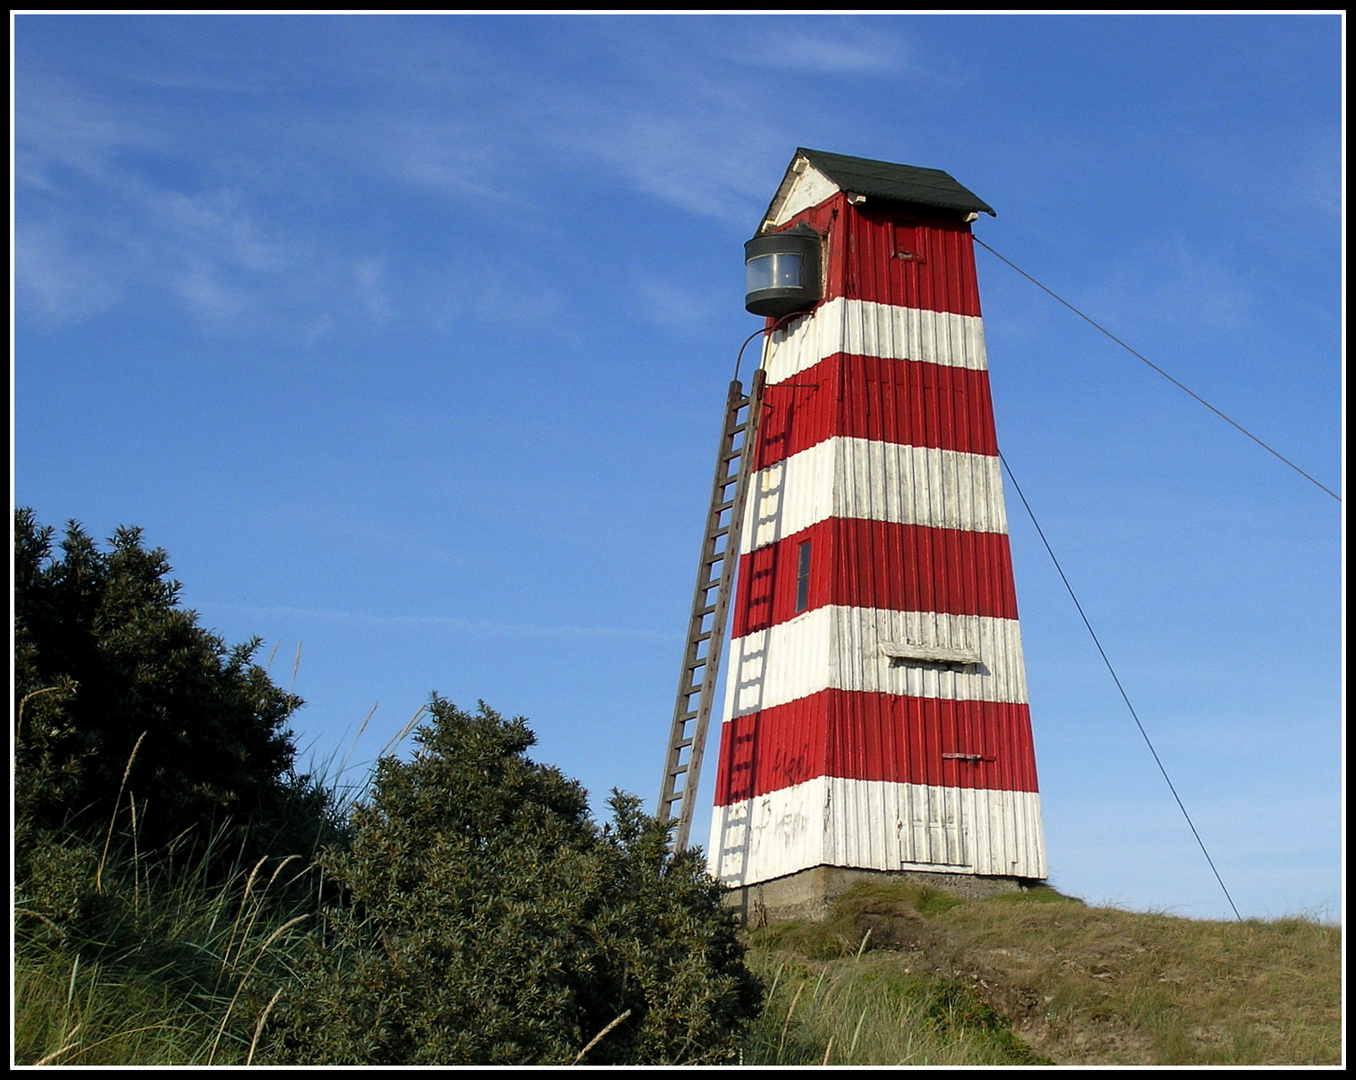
x=874, y=481
x=809, y=189
x=863, y=328
x=838, y=648
x=877, y=825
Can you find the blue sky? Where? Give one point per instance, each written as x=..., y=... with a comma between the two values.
x=408, y=338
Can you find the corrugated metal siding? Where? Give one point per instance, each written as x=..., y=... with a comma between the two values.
x=871, y=736
x=876, y=564
x=904, y=827
x=938, y=273
x=877, y=826
x=935, y=273
x=935, y=488
x=859, y=663
x=876, y=481
x=773, y=666
x=915, y=568
x=836, y=647
x=789, y=496
x=867, y=329
x=906, y=402
x=878, y=448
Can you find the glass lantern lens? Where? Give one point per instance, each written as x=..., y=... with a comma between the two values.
x=787, y=272
x=780, y=270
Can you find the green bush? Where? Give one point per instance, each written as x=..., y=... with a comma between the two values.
x=110, y=670
x=486, y=919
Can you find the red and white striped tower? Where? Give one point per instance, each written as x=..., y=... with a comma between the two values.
x=876, y=710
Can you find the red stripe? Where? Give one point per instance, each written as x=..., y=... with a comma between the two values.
x=871, y=736
x=877, y=564
x=887, y=253
x=906, y=402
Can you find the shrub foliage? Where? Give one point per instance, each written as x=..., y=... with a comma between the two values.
x=105, y=657
x=472, y=911
x=485, y=918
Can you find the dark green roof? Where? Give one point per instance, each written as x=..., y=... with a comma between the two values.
x=903, y=183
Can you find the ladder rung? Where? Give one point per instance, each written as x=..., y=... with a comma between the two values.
x=716, y=572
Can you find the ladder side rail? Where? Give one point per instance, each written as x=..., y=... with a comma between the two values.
x=708, y=578
x=721, y=615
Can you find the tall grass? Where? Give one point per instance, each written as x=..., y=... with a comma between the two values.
x=159, y=966
x=870, y=1010
x=125, y=956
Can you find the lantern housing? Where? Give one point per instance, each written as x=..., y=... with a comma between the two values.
x=783, y=272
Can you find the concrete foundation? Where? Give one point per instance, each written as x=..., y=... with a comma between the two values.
x=809, y=894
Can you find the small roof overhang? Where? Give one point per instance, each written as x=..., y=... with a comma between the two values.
x=814, y=175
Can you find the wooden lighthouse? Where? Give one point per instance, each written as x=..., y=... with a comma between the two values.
x=875, y=715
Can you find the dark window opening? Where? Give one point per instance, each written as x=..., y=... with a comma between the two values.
x=803, y=577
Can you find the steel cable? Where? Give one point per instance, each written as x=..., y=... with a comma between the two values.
x=1145, y=359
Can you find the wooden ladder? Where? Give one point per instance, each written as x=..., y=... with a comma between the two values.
x=706, y=628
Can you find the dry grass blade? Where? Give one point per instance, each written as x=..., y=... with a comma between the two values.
x=19, y=712
x=599, y=1037
x=43, y=919
x=399, y=736
x=239, y=913
x=258, y=904
x=119, y=1035
x=343, y=765
x=259, y=1026
x=245, y=978
x=108, y=839
x=68, y=1047
x=789, y=1013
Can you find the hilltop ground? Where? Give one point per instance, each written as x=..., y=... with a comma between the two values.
x=1039, y=977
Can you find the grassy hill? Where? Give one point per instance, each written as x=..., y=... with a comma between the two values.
x=906, y=975
x=899, y=975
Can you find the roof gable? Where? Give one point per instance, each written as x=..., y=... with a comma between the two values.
x=814, y=175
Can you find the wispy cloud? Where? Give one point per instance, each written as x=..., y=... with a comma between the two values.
x=373, y=288
x=480, y=626
x=137, y=185
x=1173, y=284
x=813, y=45
x=57, y=277
x=674, y=306
x=63, y=129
